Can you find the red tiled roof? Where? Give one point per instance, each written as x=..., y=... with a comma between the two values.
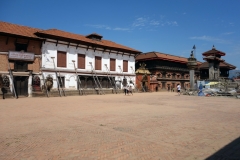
x=18, y=30
x=163, y=56
x=221, y=64
x=81, y=38
x=213, y=52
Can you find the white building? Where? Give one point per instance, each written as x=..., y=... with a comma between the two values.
x=62, y=50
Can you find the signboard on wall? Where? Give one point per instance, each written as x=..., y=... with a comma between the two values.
x=22, y=56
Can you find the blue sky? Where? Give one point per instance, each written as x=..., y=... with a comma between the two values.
x=168, y=26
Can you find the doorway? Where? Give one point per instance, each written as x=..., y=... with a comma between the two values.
x=21, y=85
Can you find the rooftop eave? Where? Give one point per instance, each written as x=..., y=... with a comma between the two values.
x=20, y=36
x=85, y=43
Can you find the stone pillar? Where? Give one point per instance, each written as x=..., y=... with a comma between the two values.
x=192, y=64
x=211, y=70
x=30, y=85
x=192, y=81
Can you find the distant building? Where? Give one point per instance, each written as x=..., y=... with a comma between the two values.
x=33, y=55
x=166, y=71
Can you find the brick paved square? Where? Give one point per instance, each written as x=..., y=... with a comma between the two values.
x=159, y=126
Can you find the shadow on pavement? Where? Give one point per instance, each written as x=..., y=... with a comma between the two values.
x=230, y=152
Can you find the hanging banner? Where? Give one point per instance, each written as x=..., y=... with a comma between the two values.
x=23, y=56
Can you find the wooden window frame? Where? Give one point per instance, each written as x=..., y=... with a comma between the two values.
x=112, y=64
x=61, y=59
x=98, y=63
x=125, y=66
x=81, y=61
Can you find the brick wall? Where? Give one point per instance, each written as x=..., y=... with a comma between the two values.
x=3, y=62
x=35, y=66
x=8, y=44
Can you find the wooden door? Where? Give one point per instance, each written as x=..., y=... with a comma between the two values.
x=21, y=85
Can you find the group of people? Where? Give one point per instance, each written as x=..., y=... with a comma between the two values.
x=128, y=89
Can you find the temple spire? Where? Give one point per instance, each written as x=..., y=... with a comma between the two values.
x=213, y=47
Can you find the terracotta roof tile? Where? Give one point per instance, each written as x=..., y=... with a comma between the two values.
x=222, y=65
x=72, y=36
x=163, y=56
x=19, y=30
x=213, y=52
x=13, y=29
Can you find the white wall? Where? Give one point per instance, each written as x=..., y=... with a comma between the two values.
x=50, y=50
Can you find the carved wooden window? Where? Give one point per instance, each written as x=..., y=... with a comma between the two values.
x=81, y=61
x=20, y=66
x=125, y=66
x=112, y=64
x=61, y=59
x=21, y=47
x=98, y=63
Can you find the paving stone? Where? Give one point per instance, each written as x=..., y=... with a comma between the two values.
x=158, y=125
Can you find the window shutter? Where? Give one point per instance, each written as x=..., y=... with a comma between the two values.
x=61, y=59
x=112, y=64
x=98, y=63
x=81, y=61
x=125, y=66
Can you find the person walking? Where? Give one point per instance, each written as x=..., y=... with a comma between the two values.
x=125, y=88
x=130, y=88
x=179, y=89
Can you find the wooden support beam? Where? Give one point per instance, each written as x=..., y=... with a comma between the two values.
x=57, y=43
x=110, y=51
x=87, y=47
x=68, y=44
x=77, y=46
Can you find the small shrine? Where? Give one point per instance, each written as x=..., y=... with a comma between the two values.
x=142, y=78
x=213, y=57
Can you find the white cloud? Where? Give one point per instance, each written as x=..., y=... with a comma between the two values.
x=107, y=27
x=169, y=23
x=140, y=22
x=210, y=39
x=99, y=26
x=228, y=33
x=154, y=23
x=148, y=22
x=231, y=24
x=121, y=29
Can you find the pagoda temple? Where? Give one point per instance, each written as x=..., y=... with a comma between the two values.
x=214, y=67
